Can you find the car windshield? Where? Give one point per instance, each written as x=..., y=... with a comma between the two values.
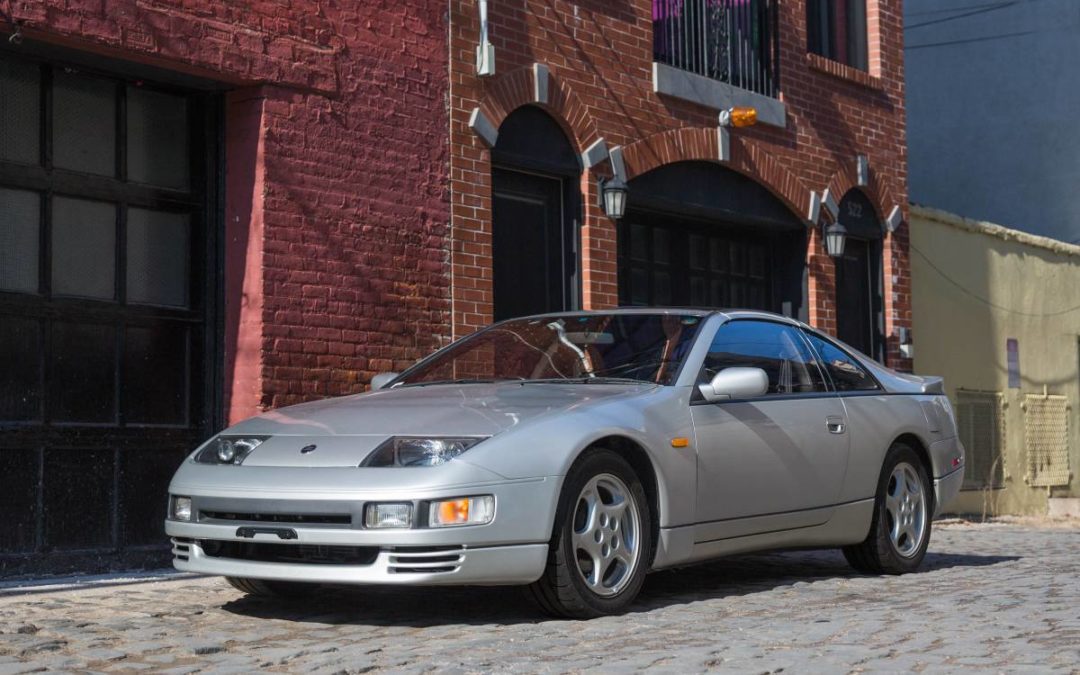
x=593, y=348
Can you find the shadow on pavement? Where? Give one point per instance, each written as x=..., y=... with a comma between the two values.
x=423, y=607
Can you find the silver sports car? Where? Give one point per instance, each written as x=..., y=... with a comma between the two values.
x=573, y=453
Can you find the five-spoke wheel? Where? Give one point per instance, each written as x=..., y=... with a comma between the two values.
x=606, y=537
x=602, y=543
x=900, y=528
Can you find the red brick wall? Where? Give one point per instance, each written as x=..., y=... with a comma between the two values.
x=349, y=207
x=600, y=55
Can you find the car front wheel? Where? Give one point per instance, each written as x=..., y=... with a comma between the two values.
x=600, y=548
x=903, y=507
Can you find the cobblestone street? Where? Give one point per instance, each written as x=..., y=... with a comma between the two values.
x=991, y=597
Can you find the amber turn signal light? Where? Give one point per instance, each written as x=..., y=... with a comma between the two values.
x=738, y=117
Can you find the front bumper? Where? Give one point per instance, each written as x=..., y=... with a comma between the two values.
x=318, y=536
x=420, y=566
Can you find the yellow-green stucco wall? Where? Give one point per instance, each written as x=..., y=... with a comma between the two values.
x=974, y=286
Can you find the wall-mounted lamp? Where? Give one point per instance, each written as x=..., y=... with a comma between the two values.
x=613, y=193
x=835, y=240
x=738, y=117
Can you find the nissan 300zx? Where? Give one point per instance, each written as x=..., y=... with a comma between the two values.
x=570, y=454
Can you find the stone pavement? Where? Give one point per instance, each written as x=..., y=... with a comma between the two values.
x=992, y=597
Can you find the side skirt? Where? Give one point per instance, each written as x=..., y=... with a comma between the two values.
x=849, y=524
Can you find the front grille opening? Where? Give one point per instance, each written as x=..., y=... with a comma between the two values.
x=420, y=570
x=310, y=554
x=181, y=548
x=294, y=518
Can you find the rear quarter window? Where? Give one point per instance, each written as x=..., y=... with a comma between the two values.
x=846, y=372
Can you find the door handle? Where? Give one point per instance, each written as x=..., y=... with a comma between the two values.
x=835, y=425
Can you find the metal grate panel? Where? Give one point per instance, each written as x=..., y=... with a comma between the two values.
x=982, y=431
x=1046, y=438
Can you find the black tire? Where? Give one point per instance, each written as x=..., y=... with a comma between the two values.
x=878, y=554
x=271, y=589
x=562, y=590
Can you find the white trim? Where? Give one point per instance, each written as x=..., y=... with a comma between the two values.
x=483, y=127
x=717, y=95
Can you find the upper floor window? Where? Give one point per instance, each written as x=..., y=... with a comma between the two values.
x=733, y=41
x=836, y=29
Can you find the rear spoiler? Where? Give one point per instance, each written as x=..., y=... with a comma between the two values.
x=905, y=383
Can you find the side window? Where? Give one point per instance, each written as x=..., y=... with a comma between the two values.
x=844, y=369
x=775, y=348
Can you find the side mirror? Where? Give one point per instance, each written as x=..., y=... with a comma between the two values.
x=381, y=380
x=732, y=383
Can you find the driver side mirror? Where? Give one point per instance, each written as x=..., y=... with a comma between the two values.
x=381, y=380
x=732, y=383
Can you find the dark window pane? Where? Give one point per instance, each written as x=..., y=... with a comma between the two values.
x=144, y=489
x=20, y=369
x=661, y=288
x=639, y=242
x=844, y=369
x=775, y=348
x=756, y=255
x=78, y=498
x=155, y=375
x=719, y=293
x=84, y=124
x=83, y=373
x=698, y=253
x=20, y=216
x=18, y=500
x=698, y=294
x=84, y=248
x=20, y=112
x=639, y=286
x=157, y=257
x=157, y=138
x=738, y=257
x=661, y=253
x=718, y=255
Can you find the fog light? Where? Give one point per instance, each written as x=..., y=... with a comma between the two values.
x=181, y=508
x=463, y=511
x=388, y=515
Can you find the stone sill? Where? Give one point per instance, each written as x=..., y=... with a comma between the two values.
x=670, y=81
x=843, y=72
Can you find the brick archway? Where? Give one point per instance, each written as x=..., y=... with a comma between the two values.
x=702, y=143
x=525, y=86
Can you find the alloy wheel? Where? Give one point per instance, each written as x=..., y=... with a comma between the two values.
x=606, y=535
x=905, y=507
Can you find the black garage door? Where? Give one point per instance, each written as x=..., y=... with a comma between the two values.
x=104, y=299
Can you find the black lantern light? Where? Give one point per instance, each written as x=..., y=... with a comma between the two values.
x=613, y=193
x=835, y=239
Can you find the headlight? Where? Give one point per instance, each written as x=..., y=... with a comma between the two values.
x=401, y=451
x=228, y=449
x=464, y=511
x=180, y=508
x=379, y=516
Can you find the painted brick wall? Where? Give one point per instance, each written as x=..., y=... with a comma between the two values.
x=336, y=202
x=600, y=57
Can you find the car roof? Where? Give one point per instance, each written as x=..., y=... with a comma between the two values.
x=692, y=311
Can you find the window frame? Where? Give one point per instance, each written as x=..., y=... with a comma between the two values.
x=879, y=389
x=823, y=44
x=696, y=397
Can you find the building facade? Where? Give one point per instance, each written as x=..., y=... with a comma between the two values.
x=992, y=97
x=213, y=209
x=998, y=316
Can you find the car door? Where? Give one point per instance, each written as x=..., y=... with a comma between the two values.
x=774, y=462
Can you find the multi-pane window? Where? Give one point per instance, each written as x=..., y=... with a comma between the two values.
x=103, y=303
x=836, y=29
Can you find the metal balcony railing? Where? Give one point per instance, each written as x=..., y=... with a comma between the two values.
x=733, y=41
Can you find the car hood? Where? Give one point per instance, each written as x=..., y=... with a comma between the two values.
x=346, y=429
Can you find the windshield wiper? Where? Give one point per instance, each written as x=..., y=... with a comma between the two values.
x=462, y=380
x=586, y=379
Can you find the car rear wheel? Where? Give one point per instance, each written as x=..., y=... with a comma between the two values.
x=600, y=548
x=903, y=507
x=271, y=589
